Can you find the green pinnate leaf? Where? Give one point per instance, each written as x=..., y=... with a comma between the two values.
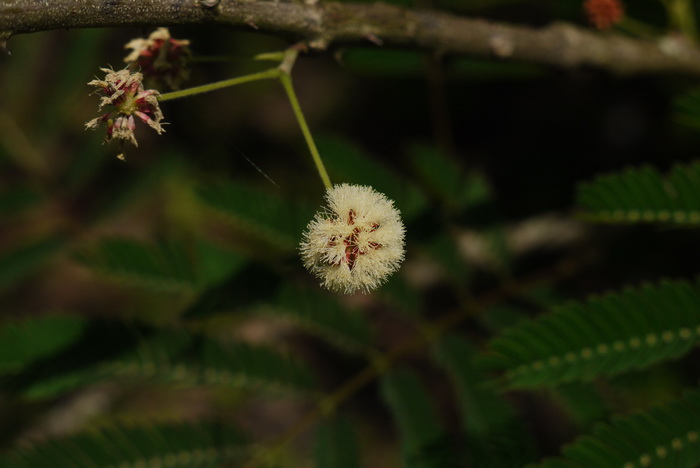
x=605, y=335
x=351, y=164
x=262, y=214
x=495, y=436
x=200, y=445
x=666, y=436
x=336, y=445
x=422, y=436
x=165, y=266
x=321, y=314
x=180, y=358
x=643, y=195
x=27, y=341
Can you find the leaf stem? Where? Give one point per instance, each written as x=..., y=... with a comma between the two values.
x=285, y=68
x=283, y=73
x=286, y=81
x=264, y=75
x=682, y=17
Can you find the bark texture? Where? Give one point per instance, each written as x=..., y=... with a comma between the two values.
x=326, y=24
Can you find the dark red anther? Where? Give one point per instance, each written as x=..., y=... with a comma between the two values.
x=351, y=253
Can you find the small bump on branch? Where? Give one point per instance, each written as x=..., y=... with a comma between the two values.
x=327, y=24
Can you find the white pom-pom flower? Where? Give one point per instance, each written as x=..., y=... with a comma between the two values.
x=356, y=242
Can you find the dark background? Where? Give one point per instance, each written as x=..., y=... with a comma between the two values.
x=534, y=133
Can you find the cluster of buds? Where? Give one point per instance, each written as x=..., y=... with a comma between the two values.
x=356, y=242
x=603, y=14
x=123, y=93
x=162, y=59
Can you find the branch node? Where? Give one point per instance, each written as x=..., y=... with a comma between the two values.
x=374, y=39
x=319, y=43
x=502, y=46
x=571, y=40
x=675, y=46
x=4, y=37
x=343, y=24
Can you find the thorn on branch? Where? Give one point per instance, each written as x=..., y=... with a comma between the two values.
x=501, y=46
x=374, y=39
x=319, y=43
x=209, y=3
x=4, y=37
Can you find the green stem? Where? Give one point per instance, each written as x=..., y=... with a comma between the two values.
x=264, y=75
x=682, y=17
x=286, y=81
x=283, y=73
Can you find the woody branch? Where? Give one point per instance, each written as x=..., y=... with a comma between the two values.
x=327, y=24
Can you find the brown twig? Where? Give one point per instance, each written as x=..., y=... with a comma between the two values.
x=434, y=330
x=328, y=23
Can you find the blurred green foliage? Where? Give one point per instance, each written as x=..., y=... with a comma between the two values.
x=169, y=285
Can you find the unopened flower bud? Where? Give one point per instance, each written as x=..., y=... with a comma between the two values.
x=603, y=14
x=162, y=60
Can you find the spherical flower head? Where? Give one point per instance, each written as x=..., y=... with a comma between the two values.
x=122, y=92
x=162, y=59
x=356, y=242
x=603, y=14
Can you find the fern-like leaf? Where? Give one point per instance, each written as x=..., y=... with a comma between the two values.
x=257, y=290
x=402, y=296
x=259, y=213
x=322, y=315
x=30, y=340
x=250, y=366
x=605, y=335
x=184, y=358
x=457, y=189
x=166, y=267
x=495, y=436
x=23, y=260
x=176, y=357
x=349, y=163
x=643, y=195
x=665, y=437
x=213, y=264
x=175, y=446
x=423, y=440
x=160, y=267
x=17, y=198
x=687, y=109
x=246, y=289
x=336, y=446
x=582, y=402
